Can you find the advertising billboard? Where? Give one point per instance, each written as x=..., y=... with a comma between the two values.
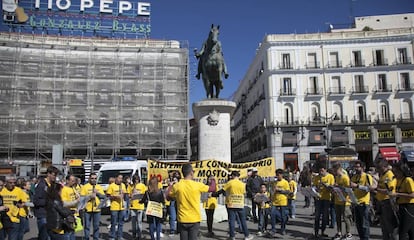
x=89, y=18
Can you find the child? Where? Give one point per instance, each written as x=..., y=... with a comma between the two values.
x=262, y=198
x=292, y=196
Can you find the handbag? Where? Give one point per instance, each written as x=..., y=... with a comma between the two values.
x=68, y=223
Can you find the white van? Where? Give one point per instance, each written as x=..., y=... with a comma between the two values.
x=126, y=168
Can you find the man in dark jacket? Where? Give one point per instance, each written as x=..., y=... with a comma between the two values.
x=40, y=201
x=252, y=187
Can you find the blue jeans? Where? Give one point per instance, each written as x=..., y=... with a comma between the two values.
x=70, y=236
x=136, y=222
x=233, y=213
x=173, y=217
x=13, y=231
x=189, y=231
x=117, y=218
x=23, y=227
x=362, y=221
x=292, y=207
x=321, y=211
x=279, y=214
x=56, y=236
x=154, y=227
x=264, y=214
x=93, y=217
x=42, y=229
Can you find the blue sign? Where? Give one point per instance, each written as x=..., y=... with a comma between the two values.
x=90, y=18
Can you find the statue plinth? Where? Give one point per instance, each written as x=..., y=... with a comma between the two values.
x=213, y=117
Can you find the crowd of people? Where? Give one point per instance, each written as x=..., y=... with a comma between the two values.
x=339, y=196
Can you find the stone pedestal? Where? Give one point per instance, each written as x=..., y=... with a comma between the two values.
x=213, y=117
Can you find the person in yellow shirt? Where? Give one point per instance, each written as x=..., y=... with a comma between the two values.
x=210, y=205
x=361, y=183
x=13, y=199
x=116, y=192
x=71, y=198
x=281, y=190
x=94, y=194
x=322, y=183
x=292, y=195
x=262, y=198
x=25, y=212
x=187, y=194
x=405, y=199
x=136, y=191
x=388, y=213
x=342, y=202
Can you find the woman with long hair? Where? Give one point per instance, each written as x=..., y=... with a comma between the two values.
x=57, y=227
x=154, y=194
x=405, y=199
x=210, y=205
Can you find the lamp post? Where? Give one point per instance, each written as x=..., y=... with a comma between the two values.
x=90, y=123
x=328, y=120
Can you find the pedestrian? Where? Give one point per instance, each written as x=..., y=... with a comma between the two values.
x=281, y=190
x=136, y=192
x=172, y=205
x=262, y=198
x=210, y=204
x=292, y=195
x=39, y=201
x=71, y=198
x=116, y=192
x=405, y=199
x=235, y=191
x=361, y=183
x=187, y=194
x=342, y=203
x=127, y=182
x=3, y=210
x=13, y=198
x=253, y=187
x=305, y=180
x=322, y=183
x=25, y=211
x=155, y=196
x=94, y=195
x=388, y=213
x=58, y=225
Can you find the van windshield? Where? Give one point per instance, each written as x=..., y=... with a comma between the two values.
x=104, y=175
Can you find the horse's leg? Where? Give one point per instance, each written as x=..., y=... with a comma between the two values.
x=212, y=90
x=206, y=85
x=218, y=87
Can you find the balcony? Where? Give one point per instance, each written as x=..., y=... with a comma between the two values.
x=406, y=117
x=406, y=60
x=336, y=91
x=382, y=89
x=287, y=65
x=361, y=119
x=382, y=62
x=314, y=91
x=358, y=63
x=312, y=65
x=405, y=88
x=386, y=118
x=360, y=90
x=287, y=92
x=334, y=64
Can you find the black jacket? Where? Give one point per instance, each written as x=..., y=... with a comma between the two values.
x=40, y=198
x=55, y=215
x=153, y=196
x=253, y=185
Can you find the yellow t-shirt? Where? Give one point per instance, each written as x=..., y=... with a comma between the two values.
x=364, y=179
x=139, y=188
x=235, y=190
x=342, y=182
x=211, y=202
x=386, y=181
x=293, y=186
x=187, y=194
x=116, y=190
x=9, y=198
x=319, y=182
x=93, y=203
x=24, y=211
x=69, y=194
x=280, y=199
x=405, y=185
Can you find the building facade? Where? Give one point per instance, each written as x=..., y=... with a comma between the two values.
x=305, y=94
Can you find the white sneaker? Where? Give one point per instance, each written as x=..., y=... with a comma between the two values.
x=338, y=236
x=349, y=237
x=259, y=234
x=161, y=235
x=250, y=237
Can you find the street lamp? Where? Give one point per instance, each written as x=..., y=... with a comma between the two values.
x=90, y=123
x=328, y=120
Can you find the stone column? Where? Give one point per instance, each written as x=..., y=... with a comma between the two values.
x=213, y=117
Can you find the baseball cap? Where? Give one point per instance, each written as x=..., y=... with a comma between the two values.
x=254, y=170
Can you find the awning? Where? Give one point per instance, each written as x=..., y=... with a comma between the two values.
x=343, y=158
x=390, y=153
x=409, y=155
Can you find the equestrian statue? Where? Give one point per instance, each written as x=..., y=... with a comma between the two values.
x=211, y=64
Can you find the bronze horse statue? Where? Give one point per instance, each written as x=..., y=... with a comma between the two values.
x=211, y=64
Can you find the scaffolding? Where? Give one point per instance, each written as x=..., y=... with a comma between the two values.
x=98, y=98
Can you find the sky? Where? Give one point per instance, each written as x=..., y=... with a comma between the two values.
x=244, y=23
